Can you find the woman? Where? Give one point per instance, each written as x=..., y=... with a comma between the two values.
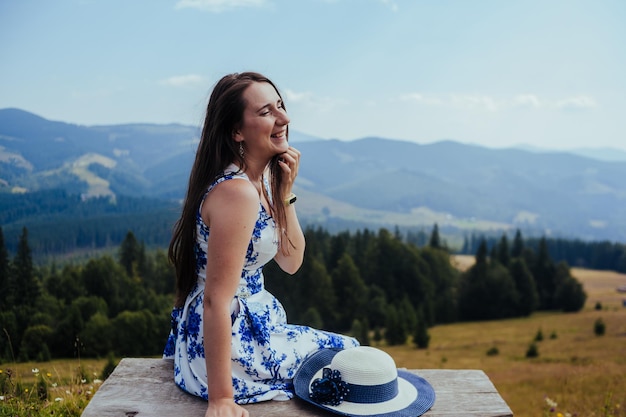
x=230, y=341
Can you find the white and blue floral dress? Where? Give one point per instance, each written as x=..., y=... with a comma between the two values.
x=266, y=352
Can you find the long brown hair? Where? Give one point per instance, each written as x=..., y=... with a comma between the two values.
x=215, y=152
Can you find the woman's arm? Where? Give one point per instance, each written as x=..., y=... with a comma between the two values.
x=294, y=238
x=230, y=210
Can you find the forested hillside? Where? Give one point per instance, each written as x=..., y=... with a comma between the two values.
x=60, y=223
x=366, y=183
x=370, y=284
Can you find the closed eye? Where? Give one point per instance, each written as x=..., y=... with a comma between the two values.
x=267, y=109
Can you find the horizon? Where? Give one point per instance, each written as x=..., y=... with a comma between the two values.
x=485, y=73
x=618, y=156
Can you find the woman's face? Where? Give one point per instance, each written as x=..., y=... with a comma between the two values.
x=264, y=125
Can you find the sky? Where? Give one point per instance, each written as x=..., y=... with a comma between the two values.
x=498, y=73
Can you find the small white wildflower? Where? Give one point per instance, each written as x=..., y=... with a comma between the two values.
x=97, y=381
x=89, y=392
x=35, y=370
x=551, y=402
x=58, y=399
x=82, y=381
x=1, y=397
x=54, y=384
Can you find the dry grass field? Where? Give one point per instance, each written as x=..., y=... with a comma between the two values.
x=583, y=373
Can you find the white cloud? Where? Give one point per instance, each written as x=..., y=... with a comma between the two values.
x=492, y=104
x=527, y=100
x=308, y=99
x=577, y=103
x=475, y=102
x=217, y=6
x=463, y=101
x=294, y=97
x=392, y=4
x=421, y=98
x=183, y=80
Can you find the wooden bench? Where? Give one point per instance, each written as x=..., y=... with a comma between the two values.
x=145, y=387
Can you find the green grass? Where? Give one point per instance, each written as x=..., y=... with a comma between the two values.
x=55, y=388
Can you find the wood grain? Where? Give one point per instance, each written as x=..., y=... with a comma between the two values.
x=145, y=387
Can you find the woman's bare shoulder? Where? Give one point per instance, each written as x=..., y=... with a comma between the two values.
x=231, y=198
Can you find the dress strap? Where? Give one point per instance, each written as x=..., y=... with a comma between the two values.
x=231, y=171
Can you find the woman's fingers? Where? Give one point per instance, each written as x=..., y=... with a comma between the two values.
x=290, y=160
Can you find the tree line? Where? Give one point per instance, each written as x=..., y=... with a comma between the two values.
x=374, y=285
x=104, y=305
x=60, y=222
x=603, y=255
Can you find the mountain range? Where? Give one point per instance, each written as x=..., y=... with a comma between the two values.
x=369, y=182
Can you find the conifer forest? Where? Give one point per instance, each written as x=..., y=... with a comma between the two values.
x=380, y=285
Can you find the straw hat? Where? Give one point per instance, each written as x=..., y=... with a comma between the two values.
x=362, y=381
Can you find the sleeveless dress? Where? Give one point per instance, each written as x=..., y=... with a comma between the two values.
x=266, y=352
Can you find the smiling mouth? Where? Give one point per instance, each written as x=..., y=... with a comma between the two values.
x=279, y=134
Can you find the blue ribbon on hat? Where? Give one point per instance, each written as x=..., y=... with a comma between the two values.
x=331, y=390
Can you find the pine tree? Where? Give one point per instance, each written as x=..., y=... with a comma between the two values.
x=395, y=333
x=525, y=285
x=517, y=250
x=486, y=290
x=24, y=283
x=131, y=254
x=435, y=240
x=421, y=338
x=503, y=254
x=569, y=294
x=4, y=273
x=544, y=272
x=316, y=290
x=481, y=253
x=350, y=290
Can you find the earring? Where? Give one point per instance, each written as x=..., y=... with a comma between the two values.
x=241, y=149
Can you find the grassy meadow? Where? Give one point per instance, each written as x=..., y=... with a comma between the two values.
x=55, y=388
x=582, y=373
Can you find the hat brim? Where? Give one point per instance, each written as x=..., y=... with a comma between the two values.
x=415, y=397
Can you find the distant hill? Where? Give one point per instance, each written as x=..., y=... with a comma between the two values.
x=602, y=154
x=369, y=182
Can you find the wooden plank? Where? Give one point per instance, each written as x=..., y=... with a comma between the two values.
x=145, y=388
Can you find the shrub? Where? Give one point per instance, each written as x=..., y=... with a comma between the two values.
x=539, y=336
x=494, y=351
x=532, y=351
x=599, y=328
x=598, y=305
x=33, y=340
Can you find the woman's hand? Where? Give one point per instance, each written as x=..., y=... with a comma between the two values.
x=225, y=407
x=289, y=163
